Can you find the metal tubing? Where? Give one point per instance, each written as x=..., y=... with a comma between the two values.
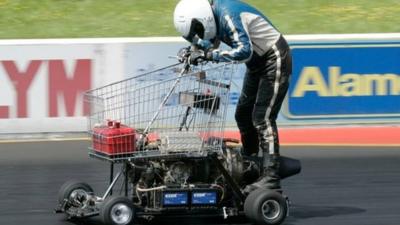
x=111, y=185
x=126, y=178
x=111, y=175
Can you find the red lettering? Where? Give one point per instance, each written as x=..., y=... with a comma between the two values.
x=4, y=112
x=21, y=82
x=69, y=88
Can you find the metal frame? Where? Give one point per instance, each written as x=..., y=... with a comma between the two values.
x=197, y=114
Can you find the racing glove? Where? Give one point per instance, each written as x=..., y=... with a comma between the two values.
x=183, y=54
x=197, y=57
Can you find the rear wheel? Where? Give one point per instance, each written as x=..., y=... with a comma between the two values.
x=117, y=210
x=266, y=207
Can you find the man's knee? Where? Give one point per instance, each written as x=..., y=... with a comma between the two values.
x=259, y=120
x=243, y=116
x=265, y=128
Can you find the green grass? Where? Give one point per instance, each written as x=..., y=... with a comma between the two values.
x=138, y=18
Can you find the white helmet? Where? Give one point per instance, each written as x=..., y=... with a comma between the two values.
x=193, y=17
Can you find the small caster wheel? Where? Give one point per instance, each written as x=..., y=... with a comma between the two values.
x=117, y=210
x=266, y=207
x=74, y=189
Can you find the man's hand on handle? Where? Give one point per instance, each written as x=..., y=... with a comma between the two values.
x=193, y=55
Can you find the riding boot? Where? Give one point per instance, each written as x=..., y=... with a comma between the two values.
x=270, y=176
x=272, y=173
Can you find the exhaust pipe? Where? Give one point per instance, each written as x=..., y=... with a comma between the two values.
x=288, y=167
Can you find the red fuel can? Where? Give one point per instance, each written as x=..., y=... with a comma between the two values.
x=114, y=139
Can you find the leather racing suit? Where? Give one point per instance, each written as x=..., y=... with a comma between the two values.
x=256, y=42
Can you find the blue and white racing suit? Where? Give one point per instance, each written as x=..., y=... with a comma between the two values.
x=255, y=41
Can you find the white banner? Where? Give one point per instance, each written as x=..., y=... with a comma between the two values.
x=42, y=85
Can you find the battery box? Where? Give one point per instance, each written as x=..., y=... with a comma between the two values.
x=175, y=198
x=190, y=197
x=203, y=198
x=114, y=139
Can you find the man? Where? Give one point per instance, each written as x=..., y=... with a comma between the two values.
x=256, y=42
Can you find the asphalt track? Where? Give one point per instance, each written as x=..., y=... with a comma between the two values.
x=338, y=185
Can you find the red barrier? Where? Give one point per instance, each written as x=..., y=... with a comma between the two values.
x=348, y=136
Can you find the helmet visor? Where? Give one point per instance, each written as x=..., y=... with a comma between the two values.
x=196, y=28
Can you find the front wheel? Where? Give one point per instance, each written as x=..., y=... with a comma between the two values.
x=73, y=189
x=266, y=207
x=117, y=210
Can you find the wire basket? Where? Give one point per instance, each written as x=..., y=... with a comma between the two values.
x=167, y=112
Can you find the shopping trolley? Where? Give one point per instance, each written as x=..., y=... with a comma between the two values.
x=165, y=131
x=164, y=113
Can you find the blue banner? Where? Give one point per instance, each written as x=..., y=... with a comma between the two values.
x=344, y=80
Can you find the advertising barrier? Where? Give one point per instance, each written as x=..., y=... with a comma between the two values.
x=42, y=84
x=337, y=79
x=345, y=81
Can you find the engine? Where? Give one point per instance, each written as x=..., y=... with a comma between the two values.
x=178, y=173
x=188, y=182
x=173, y=172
